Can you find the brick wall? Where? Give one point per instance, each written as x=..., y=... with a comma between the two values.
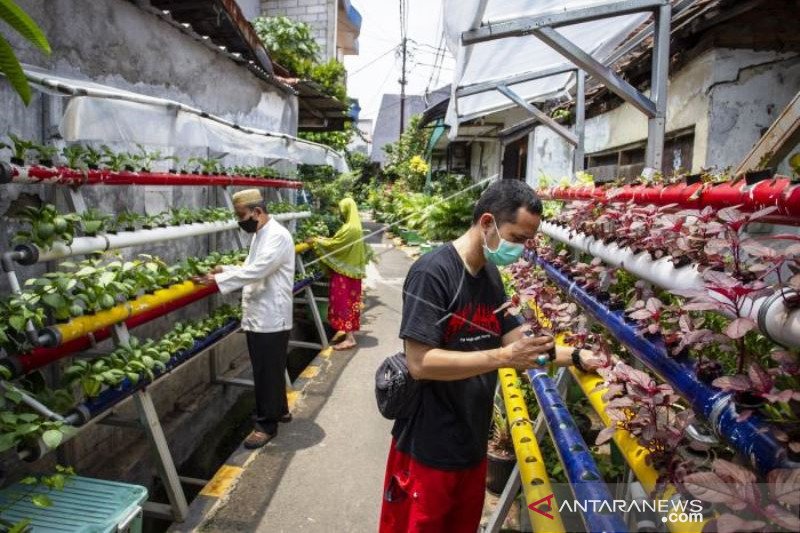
x=319, y=14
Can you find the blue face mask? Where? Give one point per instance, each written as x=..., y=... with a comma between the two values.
x=505, y=253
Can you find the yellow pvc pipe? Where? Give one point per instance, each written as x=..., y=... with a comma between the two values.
x=535, y=482
x=83, y=325
x=634, y=454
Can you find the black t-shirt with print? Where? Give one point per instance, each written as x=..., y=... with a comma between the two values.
x=444, y=306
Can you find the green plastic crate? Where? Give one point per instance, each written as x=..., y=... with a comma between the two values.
x=85, y=505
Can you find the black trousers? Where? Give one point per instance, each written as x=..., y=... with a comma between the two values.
x=268, y=353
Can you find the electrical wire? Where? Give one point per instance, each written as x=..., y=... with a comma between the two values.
x=387, y=52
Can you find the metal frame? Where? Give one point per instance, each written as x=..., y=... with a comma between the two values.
x=544, y=27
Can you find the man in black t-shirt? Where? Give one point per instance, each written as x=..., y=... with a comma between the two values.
x=456, y=342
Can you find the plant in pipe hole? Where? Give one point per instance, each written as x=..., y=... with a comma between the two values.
x=646, y=409
x=45, y=154
x=18, y=424
x=20, y=149
x=73, y=156
x=116, y=162
x=46, y=226
x=743, y=503
x=93, y=221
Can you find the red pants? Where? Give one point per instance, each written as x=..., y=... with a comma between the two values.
x=421, y=499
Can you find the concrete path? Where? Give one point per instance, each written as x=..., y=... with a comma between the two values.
x=324, y=471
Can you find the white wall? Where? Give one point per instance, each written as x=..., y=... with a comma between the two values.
x=728, y=96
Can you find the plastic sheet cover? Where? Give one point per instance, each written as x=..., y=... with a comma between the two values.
x=100, y=113
x=502, y=58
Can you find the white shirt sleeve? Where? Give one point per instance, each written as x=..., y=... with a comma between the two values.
x=267, y=260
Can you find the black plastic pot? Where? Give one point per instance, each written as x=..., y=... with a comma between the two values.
x=129, y=168
x=691, y=179
x=708, y=371
x=17, y=161
x=46, y=162
x=747, y=400
x=584, y=424
x=93, y=166
x=754, y=176
x=499, y=469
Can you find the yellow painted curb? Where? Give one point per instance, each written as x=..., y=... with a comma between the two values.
x=309, y=372
x=219, y=485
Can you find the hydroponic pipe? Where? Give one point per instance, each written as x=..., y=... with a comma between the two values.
x=779, y=192
x=112, y=396
x=582, y=473
x=750, y=437
x=635, y=455
x=20, y=365
x=533, y=474
x=74, y=177
x=774, y=318
x=84, y=412
x=30, y=253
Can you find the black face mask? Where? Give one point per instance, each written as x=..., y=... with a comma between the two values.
x=250, y=225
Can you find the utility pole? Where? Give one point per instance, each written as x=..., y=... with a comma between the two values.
x=403, y=90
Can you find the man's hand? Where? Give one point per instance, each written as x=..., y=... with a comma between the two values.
x=523, y=353
x=208, y=279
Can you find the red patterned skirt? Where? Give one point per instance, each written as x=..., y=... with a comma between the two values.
x=344, y=309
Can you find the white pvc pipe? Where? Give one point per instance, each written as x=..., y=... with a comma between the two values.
x=125, y=239
x=774, y=319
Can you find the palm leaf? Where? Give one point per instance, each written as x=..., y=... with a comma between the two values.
x=22, y=23
x=10, y=67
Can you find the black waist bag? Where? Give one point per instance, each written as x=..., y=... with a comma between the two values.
x=398, y=394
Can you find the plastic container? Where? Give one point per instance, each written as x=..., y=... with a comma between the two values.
x=85, y=505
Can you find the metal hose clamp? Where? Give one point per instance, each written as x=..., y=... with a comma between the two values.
x=720, y=405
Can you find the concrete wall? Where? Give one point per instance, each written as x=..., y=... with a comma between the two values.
x=319, y=14
x=729, y=96
x=114, y=42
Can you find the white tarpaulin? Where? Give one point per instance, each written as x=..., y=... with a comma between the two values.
x=105, y=114
x=499, y=59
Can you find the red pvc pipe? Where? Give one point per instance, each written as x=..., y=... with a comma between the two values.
x=779, y=191
x=69, y=176
x=40, y=357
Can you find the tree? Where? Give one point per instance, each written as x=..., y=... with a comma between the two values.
x=18, y=20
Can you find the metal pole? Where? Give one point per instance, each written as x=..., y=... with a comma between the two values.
x=403, y=88
x=580, y=117
x=656, y=125
x=164, y=462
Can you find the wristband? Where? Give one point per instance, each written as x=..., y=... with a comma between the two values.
x=576, y=359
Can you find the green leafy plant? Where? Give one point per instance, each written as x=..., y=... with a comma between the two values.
x=93, y=221
x=18, y=424
x=115, y=161
x=290, y=43
x=92, y=157
x=20, y=22
x=73, y=155
x=46, y=225
x=46, y=153
x=19, y=147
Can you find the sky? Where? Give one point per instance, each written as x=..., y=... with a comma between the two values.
x=376, y=70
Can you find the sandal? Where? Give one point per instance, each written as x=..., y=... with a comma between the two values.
x=257, y=439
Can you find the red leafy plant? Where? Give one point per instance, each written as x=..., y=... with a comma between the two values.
x=646, y=409
x=746, y=504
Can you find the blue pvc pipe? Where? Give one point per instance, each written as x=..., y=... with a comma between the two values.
x=582, y=473
x=751, y=437
x=110, y=397
x=303, y=283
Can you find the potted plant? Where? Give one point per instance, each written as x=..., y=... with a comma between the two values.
x=73, y=155
x=45, y=154
x=500, y=454
x=19, y=148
